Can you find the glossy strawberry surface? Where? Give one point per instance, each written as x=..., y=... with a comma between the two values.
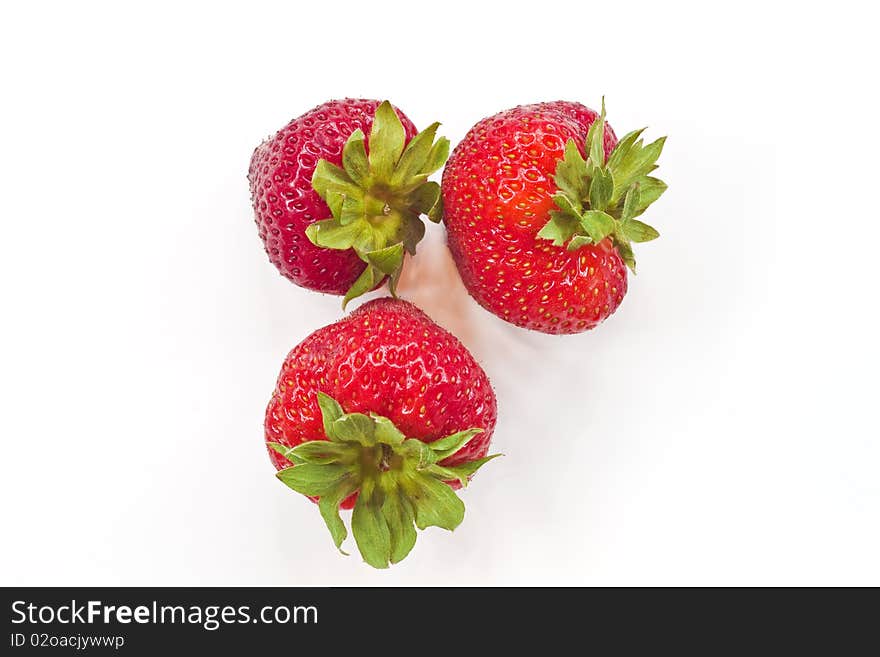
x=497, y=191
x=285, y=203
x=389, y=358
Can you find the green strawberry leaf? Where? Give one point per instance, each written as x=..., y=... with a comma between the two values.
x=650, y=190
x=631, y=202
x=354, y=428
x=388, y=261
x=446, y=447
x=560, y=228
x=330, y=411
x=328, y=506
x=413, y=232
x=434, y=502
x=638, y=162
x=601, y=189
x=435, y=214
x=315, y=480
x=626, y=254
x=424, y=197
x=368, y=279
x=329, y=234
x=437, y=157
x=598, y=225
x=417, y=452
x=386, y=432
x=387, y=138
x=354, y=159
x=352, y=211
x=415, y=156
x=459, y=472
x=367, y=240
x=567, y=205
x=286, y=452
x=622, y=149
x=571, y=172
x=322, y=452
x=596, y=140
x=578, y=241
x=370, y=528
x=334, y=200
x=399, y=519
x=330, y=177
x=637, y=231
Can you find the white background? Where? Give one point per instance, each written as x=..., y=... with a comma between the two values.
x=720, y=428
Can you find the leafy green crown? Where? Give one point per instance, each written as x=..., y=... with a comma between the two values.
x=377, y=200
x=599, y=199
x=400, y=480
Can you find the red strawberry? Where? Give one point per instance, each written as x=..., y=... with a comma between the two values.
x=346, y=398
x=541, y=234
x=337, y=210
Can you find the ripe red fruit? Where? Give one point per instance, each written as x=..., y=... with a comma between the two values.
x=540, y=211
x=346, y=398
x=335, y=209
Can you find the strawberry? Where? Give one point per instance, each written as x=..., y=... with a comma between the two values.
x=540, y=206
x=381, y=411
x=337, y=210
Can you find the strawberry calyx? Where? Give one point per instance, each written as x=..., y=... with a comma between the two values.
x=376, y=200
x=400, y=482
x=600, y=198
